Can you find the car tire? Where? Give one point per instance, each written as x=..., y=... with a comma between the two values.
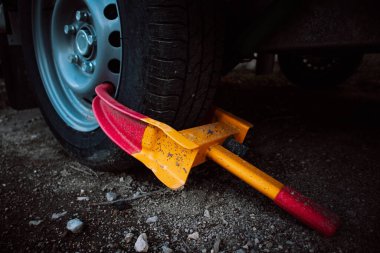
x=168, y=69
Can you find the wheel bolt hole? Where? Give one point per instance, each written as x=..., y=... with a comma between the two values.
x=110, y=12
x=114, y=66
x=114, y=39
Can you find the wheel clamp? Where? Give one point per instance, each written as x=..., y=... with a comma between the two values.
x=171, y=154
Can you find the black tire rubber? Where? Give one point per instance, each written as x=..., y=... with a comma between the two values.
x=172, y=58
x=299, y=73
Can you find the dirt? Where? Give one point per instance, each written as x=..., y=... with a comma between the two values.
x=325, y=143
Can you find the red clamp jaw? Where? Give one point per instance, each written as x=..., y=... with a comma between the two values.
x=171, y=154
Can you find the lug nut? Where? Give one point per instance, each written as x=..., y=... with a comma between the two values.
x=91, y=40
x=88, y=67
x=69, y=29
x=74, y=59
x=81, y=16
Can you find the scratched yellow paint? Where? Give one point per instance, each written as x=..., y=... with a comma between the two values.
x=171, y=154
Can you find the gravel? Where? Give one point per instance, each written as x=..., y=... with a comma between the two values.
x=326, y=144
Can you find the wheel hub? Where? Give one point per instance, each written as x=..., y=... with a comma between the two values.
x=84, y=42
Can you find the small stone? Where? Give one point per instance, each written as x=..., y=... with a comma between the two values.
x=204, y=250
x=56, y=216
x=289, y=242
x=206, y=214
x=111, y=196
x=35, y=222
x=128, y=238
x=4, y=185
x=216, y=246
x=83, y=198
x=248, y=245
x=256, y=241
x=75, y=225
x=224, y=221
x=193, y=236
x=141, y=244
x=240, y=251
x=121, y=180
x=128, y=180
x=166, y=249
x=81, y=191
x=65, y=173
x=268, y=244
x=152, y=219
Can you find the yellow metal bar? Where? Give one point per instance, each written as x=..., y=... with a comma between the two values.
x=256, y=178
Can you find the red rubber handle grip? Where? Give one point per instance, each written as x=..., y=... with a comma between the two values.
x=307, y=211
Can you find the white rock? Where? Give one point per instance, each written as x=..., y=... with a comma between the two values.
x=128, y=237
x=206, y=214
x=111, y=196
x=35, y=222
x=152, y=219
x=141, y=244
x=75, y=225
x=166, y=249
x=256, y=241
x=193, y=236
x=55, y=216
x=83, y=198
